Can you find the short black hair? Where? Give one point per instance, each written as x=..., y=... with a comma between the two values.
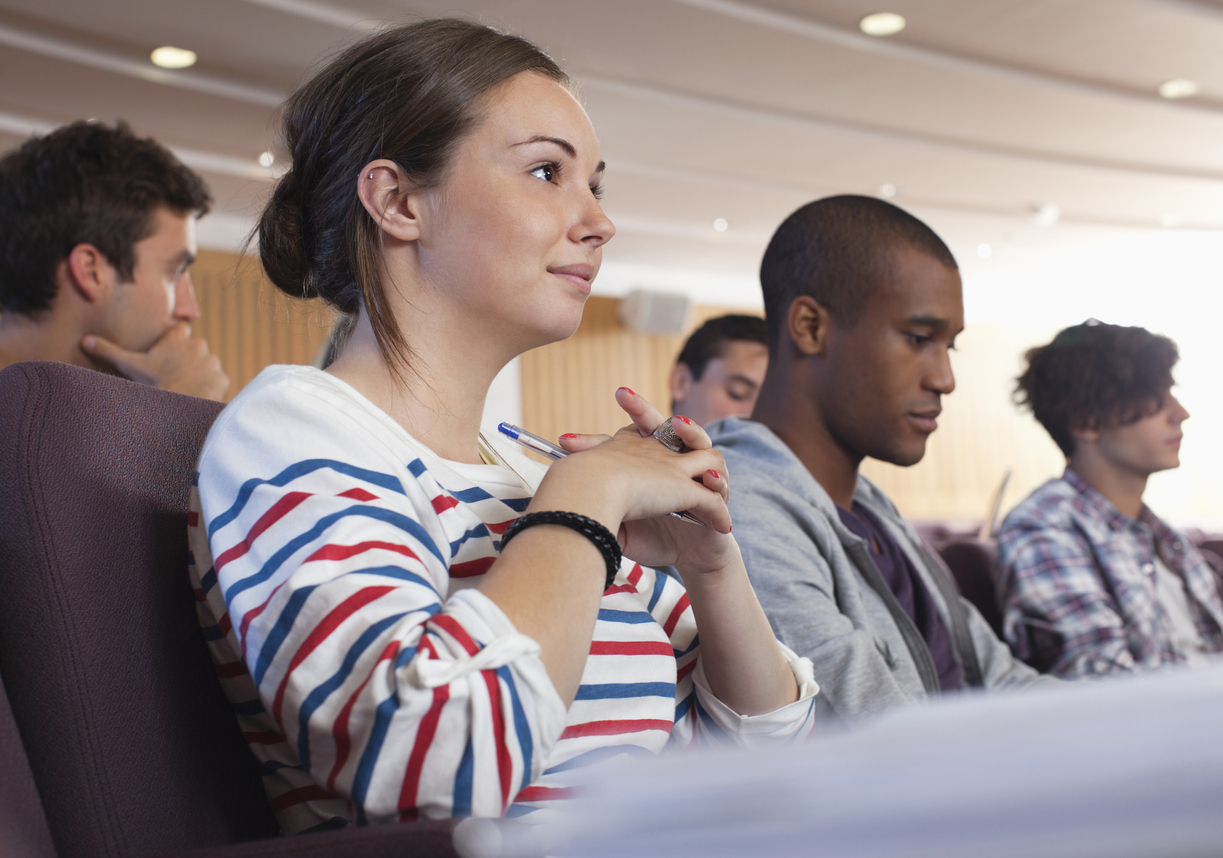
x=838, y=250
x=709, y=341
x=1095, y=375
x=83, y=183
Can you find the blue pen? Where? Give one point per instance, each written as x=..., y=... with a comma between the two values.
x=546, y=448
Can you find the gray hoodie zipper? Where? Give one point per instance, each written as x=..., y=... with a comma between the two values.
x=960, y=633
x=908, y=629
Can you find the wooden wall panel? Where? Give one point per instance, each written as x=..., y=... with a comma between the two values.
x=570, y=386
x=248, y=322
x=981, y=435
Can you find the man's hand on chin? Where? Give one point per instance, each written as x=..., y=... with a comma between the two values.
x=178, y=362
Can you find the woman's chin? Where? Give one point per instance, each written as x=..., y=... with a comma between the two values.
x=561, y=326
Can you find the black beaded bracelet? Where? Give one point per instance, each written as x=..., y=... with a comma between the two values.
x=603, y=538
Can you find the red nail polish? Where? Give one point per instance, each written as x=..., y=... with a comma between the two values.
x=629, y=389
x=685, y=419
x=568, y=436
x=729, y=528
x=716, y=475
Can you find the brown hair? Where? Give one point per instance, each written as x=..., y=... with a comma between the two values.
x=409, y=94
x=83, y=183
x=1096, y=376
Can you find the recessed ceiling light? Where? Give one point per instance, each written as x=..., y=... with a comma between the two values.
x=882, y=24
x=984, y=251
x=1178, y=88
x=173, y=58
x=887, y=191
x=721, y=224
x=1046, y=214
x=267, y=159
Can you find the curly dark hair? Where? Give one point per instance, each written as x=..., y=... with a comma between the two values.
x=1095, y=376
x=83, y=183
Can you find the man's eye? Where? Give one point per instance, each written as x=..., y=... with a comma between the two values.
x=547, y=172
x=917, y=339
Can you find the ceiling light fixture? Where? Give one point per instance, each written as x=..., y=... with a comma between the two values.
x=173, y=58
x=887, y=191
x=1169, y=220
x=1179, y=88
x=267, y=159
x=1046, y=214
x=984, y=251
x=721, y=224
x=882, y=24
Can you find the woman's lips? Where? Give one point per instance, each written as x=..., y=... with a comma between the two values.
x=579, y=275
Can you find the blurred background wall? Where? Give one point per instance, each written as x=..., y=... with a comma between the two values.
x=1069, y=151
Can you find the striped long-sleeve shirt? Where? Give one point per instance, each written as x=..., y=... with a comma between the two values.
x=335, y=561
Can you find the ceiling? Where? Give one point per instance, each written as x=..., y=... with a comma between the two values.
x=978, y=113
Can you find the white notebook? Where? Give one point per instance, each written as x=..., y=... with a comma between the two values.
x=1115, y=768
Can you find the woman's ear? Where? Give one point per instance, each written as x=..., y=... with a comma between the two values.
x=807, y=324
x=390, y=199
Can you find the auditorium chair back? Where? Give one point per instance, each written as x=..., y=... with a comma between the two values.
x=132, y=747
x=974, y=565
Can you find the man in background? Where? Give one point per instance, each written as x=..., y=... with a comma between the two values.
x=720, y=368
x=97, y=233
x=1094, y=583
x=862, y=305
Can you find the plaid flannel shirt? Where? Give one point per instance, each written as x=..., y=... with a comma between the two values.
x=1078, y=584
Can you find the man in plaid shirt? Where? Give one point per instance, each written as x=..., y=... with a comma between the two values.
x=1094, y=582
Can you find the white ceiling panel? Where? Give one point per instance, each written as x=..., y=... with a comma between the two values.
x=978, y=112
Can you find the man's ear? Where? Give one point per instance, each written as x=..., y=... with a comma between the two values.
x=90, y=273
x=808, y=323
x=1089, y=433
x=391, y=200
x=680, y=382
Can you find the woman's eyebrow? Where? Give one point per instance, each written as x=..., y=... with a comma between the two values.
x=559, y=141
x=563, y=143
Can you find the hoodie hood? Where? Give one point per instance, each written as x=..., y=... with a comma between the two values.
x=753, y=448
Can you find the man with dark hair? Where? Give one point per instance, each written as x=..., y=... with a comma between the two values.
x=97, y=232
x=1094, y=582
x=862, y=303
x=720, y=368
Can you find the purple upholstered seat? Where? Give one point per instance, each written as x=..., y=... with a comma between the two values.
x=133, y=748
x=23, y=827
x=974, y=565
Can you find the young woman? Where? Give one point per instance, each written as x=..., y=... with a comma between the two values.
x=410, y=621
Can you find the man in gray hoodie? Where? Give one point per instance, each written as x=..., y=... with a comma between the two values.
x=863, y=304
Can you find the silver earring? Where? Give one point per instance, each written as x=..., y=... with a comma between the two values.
x=371, y=175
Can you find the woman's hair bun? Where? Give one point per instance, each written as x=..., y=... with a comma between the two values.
x=282, y=240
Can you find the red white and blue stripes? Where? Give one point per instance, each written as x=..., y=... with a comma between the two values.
x=335, y=561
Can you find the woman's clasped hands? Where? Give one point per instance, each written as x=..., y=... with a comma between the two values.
x=633, y=481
